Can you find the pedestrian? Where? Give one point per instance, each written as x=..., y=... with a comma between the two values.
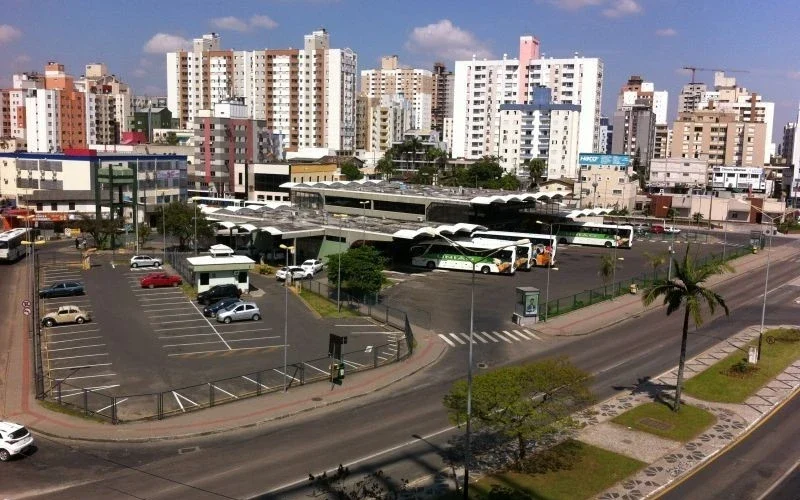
x=77, y=243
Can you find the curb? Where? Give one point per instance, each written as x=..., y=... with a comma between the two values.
x=257, y=423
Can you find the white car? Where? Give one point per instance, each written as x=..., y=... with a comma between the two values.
x=145, y=261
x=293, y=273
x=312, y=266
x=671, y=229
x=14, y=439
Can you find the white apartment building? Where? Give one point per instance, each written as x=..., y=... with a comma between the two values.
x=382, y=121
x=607, y=186
x=414, y=84
x=306, y=95
x=41, y=121
x=668, y=173
x=108, y=105
x=740, y=178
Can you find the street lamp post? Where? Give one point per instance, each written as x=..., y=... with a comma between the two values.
x=549, y=267
x=468, y=435
x=195, y=228
x=164, y=226
x=286, y=282
x=35, y=329
x=341, y=218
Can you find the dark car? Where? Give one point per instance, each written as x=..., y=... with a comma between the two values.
x=218, y=292
x=219, y=305
x=62, y=289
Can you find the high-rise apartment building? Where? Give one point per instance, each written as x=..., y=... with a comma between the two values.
x=108, y=105
x=720, y=137
x=606, y=135
x=415, y=85
x=787, y=143
x=663, y=141
x=641, y=111
x=691, y=96
x=481, y=87
x=382, y=121
x=540, y=129
x=55, y=116
x=306, y=95
x=442, y=96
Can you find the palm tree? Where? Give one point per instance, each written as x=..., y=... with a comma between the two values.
x=607, y=268
x=686, y=289
x=656, y=260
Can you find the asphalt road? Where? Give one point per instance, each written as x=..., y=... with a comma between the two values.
x=751, y=467
x=402, y=432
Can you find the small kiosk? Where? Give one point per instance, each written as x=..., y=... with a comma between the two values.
x=221, y=268
x=526, y=305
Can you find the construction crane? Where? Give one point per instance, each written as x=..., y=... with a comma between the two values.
x=693, y=69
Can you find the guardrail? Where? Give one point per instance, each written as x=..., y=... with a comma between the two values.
x=569, y=303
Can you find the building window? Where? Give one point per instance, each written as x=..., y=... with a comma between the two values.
x=204, y=278
x=72, y=205
x=39, y=207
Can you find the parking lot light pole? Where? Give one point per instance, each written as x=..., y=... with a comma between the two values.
x=35, y=331
x=473, y=258
x=287, y=280
x=341, y=218
x=549, y=267
x=195, y=228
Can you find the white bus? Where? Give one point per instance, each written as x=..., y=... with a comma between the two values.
x=466, y=256
x=594, y=234
x=219, y=202
x=542, y=253
x=11, y=247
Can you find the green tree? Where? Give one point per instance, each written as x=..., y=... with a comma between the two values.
x=672, y=213
x=655, y=260
x=535, y=168
x=171, y=139
x=386, y=165
x=525, y=403
x=362, y=270
x=145, y=232
x=607, y=267
x=485, y=173
x=686, y=290
x=697, y=217
x=180, y=222
x=100, y=230
x=509, y=182
x=351, y=172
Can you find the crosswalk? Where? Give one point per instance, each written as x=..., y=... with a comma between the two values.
x=456, y=339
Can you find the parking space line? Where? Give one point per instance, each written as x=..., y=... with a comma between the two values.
x=517, y=332
x=447, y=340
x=167, y=309
x=89, y=376
x=172, y=315
x=486, y=334
x=457, y=339
x=253, y=381
x=152, y=299
x=72, y=340
x=184, y=398
x=209, y=324
x=178, y=328
x=286, y=374
x=223, y=390
x=382, y=332
x=79, y=366
x=73, y=325
x=381, y=357
x=112, y=404
x=67, y=300
x=353, y=364
x=81, y=356
x=501, y=337
x=180, y=321
x=356, y=325
x=226, y=350
x=475, y=334
x=75, y=392
x=71, y=333
x=164, y=290
x=510, y=335
x=78, y=347
x=254, y=338
x=532, y=334
x=314, y=367
x=244, y=331
x=187, y=335
x=191, y=343
x=466, y=337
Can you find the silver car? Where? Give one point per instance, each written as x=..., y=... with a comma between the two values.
x=238, y=312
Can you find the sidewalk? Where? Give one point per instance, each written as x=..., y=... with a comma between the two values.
x=607, y=313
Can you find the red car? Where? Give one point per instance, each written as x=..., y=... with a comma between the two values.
x=153, y=280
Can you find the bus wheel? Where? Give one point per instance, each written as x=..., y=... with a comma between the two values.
x=562, y=241
x=485, y=270
x=608, y=244
x=431, y=265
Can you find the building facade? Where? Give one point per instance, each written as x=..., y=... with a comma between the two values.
x=415, y=85
x=108, y=105
x=677, y=174
x=441, y=96
x=306, y=95
x=718, y=136
x=751, y=179
x=382, y=121
x=606, y=186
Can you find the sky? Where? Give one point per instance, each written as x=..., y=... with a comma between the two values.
x=650, y=38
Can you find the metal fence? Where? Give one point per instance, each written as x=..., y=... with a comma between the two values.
x=586, y=298
x=119, y=408
x=178, y=262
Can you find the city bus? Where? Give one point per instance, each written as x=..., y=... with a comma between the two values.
x=594, y=234
x=542, y=253
x=211, y=201
x=466, y=255
x=11, y=247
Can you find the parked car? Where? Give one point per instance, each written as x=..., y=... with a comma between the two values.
x=66, y=314
x=238, y=312
x=218, y=292
x=62, y=289
x=312, y=266
x=671, y=229
x=14, y=439
x=657, y=229
x=293, y=272
x=153, y=280
x=144, y=261
x=219, y=305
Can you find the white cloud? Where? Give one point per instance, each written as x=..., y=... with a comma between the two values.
x=162, y=43
x=666, y=32
x=9, y=33
x=443, y=39
x=793, y=75
x=620, y=8
x=575, y=4
x=260, y=21
x=230, y=23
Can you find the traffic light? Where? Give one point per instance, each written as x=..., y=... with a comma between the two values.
x=337, y=373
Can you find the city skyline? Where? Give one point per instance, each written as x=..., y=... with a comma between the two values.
x=647, y=38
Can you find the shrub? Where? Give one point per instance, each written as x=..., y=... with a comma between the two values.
x=741, y=369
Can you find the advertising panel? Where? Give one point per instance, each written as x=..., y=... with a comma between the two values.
x=604, y=159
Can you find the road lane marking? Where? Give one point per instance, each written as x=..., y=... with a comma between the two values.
x=314, y=367
x=112, y=404
x=510, y=335
x=457, y=339
x=223, y=390
x=78, y=347
x=517, y=332
x=253, y=381
x=466, y=337
x=79, y=366
x=532, y=334
x=81, y=356
x=486, y=334
x=447, y=340
x=501, y=337
x=475, y=334
x=286, y=374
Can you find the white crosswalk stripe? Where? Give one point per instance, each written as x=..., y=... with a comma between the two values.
x=466, y=337
x=486, y=334
x=510, y=335
x=532, y=334
x=447, y=340
x=517, y=332
x=458, y=339
x=484, y=337
x=475, y=334
x=501, y=337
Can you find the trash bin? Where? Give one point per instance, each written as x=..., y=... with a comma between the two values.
x=634, y=288
x=755, y=250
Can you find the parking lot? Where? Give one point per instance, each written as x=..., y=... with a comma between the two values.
x=444, y=296
x=145, y=341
